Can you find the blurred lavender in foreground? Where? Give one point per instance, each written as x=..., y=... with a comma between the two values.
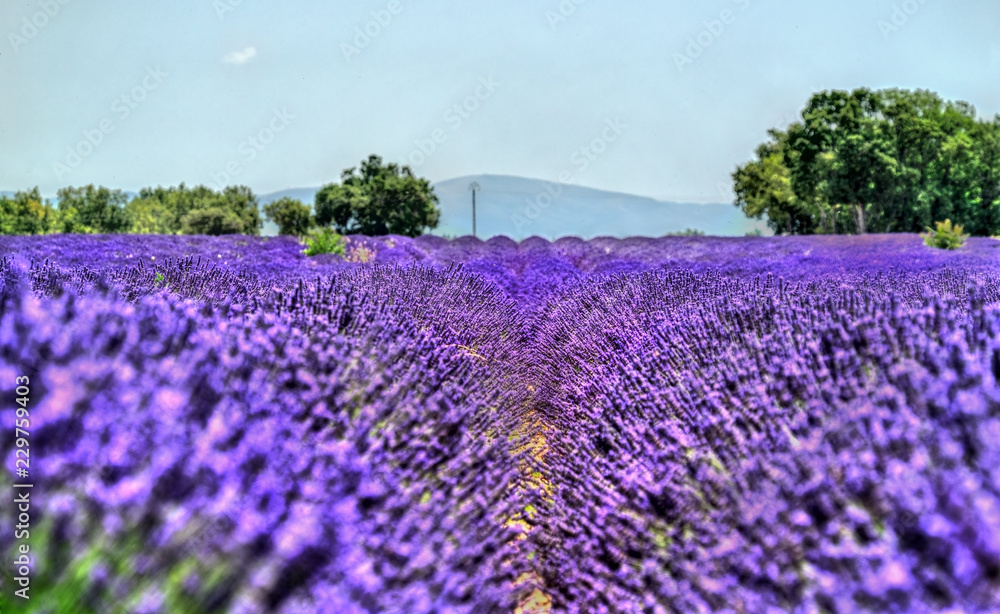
x=692, y=424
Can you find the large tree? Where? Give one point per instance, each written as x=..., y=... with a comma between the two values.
x=837, y=154
x=291, y=215
x=164, y=210
x=763, y=187
x=97, y=210
x=378, y=200
x=25, y=214
x=242, y=202
x=884, y=161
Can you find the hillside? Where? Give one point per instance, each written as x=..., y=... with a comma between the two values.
x=502, y=208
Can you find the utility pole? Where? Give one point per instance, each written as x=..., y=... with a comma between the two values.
x=473, y=187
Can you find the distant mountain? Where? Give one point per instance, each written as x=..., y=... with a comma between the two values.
x=504, y=207
x=306, y=195
x=520, y=207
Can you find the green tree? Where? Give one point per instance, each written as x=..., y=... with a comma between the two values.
x=165, y=209
x=242, y=202
x=212, y=221
x=25, y=214
x=98, y=210
x=291, y=215
x=176, y=202
x=986, y=176
x=66, y=220
x=876, y=161
x=838, y=155
x=336, y=204
x=378, y=200
x=150, y=216
x=763, y=187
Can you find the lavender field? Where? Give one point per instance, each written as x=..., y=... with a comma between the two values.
x=685, y=424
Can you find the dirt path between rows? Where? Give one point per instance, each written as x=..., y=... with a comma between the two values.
x=531, y=433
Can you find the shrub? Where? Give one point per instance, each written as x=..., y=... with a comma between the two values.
x=325, y=241
x=212, y=221
x=687, y=232
x=946, y=236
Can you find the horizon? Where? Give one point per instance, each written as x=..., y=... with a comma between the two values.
x=654, y=100
x=505, y=210
x=262, y=195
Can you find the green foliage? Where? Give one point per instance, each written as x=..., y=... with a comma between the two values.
x=687, y=232
x=164, y=210
x=379, y=200
x=763, y=187
x=174, y=210
x=291, y=215
x=67, y=220
x=755, y=233
x=97, y=210
x=325, y=241
x=150, y=216
x=24, y=214
x=212, y=221
x=241, y=201
x=946, y=236
x=876, y=161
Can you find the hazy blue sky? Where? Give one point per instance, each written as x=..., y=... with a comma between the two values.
x=175, y=91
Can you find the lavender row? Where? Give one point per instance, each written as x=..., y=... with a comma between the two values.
x=323, y=447
x=508, y=262
x=760, y=446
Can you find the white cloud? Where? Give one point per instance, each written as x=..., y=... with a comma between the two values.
x=240, y=57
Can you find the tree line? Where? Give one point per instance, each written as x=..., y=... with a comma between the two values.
x=380, y=199
x=881, y=161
